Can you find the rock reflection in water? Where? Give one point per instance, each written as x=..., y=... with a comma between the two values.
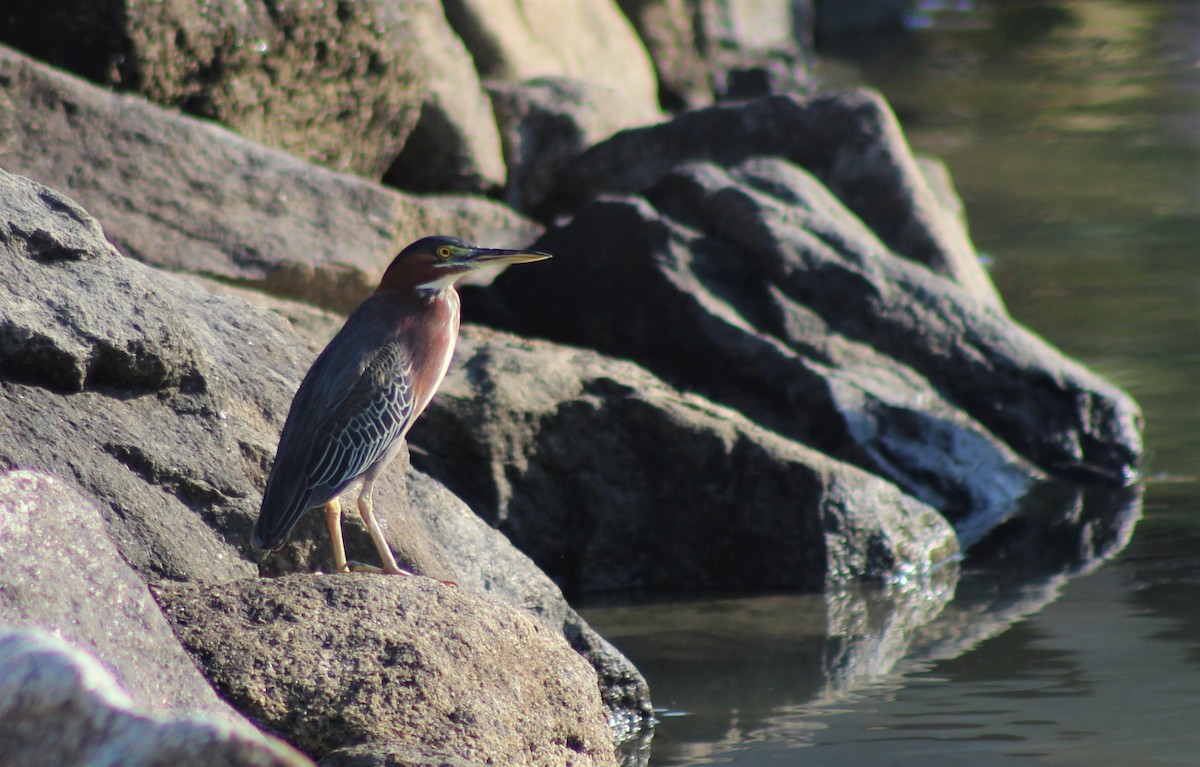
x=730, y=671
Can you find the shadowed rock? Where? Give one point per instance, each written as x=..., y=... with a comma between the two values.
x=850, y=142
x=668, y=30
x=455, y=145
x=705, y=498
x=545, y=123
x=755, y=287
x=404, y=661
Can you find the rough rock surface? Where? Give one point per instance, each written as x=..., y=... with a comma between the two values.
x=190, y=196
x=165, y=403
x=101, y=607
x=152, y=389
x=59, y=705
x=379, y=754
x=822, y=334
x=577, y=39
x=706, y=498
x=334, y=83
x=399, y=660
x=850, y=142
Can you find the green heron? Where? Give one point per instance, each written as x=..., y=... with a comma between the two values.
x=365, y=390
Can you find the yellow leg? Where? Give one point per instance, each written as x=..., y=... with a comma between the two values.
x=333, y=518
x=368, y=516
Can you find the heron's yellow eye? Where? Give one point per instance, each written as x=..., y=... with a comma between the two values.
x=443, y=252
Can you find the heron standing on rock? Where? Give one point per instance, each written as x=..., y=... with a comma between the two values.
x=357, y=402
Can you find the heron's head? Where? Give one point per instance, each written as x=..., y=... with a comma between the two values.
x=436, y=263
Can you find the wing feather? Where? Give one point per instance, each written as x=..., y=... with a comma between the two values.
x=360, y=416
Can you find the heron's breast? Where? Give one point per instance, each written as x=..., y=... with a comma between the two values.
x=441, y=333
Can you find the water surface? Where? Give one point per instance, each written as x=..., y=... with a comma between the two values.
x=1072, y=637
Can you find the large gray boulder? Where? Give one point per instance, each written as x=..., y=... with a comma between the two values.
x=188, y=195
x=164, y=404
x=664, y=490
x=401, y=661
x=366, y=86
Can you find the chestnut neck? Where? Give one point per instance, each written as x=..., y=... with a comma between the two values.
x=406, y=278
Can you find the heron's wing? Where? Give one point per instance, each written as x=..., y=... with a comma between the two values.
x=374, y=413
x=342, y=421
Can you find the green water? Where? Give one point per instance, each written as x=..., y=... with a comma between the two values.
x=1072, y=130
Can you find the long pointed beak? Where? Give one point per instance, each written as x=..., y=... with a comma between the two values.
x=497, y=256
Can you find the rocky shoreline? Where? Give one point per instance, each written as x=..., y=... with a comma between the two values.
x=765, y=356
